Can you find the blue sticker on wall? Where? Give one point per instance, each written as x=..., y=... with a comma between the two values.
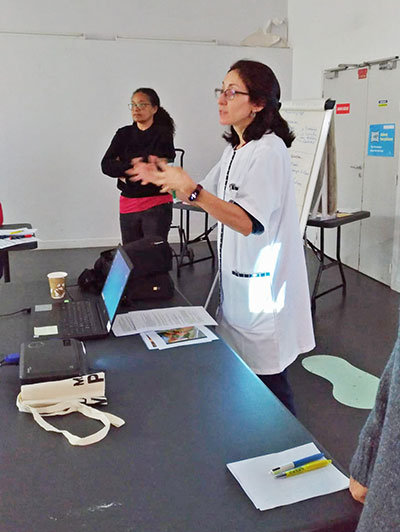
x=381, y=140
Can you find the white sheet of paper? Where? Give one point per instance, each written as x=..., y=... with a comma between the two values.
x=266, y=491
x=45, y=331
x=147, y=341
x=19, y=231
x=159, y=319
x=43, y=308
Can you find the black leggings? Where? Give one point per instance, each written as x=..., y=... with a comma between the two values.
x=155, y=221
x=279, y=386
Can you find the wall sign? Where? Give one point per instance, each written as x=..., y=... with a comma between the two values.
x=342, y=108
x=381, y=140
x=362, y=73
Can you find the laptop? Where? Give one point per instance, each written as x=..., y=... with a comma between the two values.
x=90, y=318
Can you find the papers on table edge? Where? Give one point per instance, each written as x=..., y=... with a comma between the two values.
x=266, y=492
x=7, y=243
x=162, y=319
x=181, y=336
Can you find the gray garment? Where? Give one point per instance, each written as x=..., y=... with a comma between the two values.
x=376, y=463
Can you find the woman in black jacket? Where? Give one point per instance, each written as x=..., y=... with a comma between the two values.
x=144, y=210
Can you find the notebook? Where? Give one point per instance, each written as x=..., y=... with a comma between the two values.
x=84, y=319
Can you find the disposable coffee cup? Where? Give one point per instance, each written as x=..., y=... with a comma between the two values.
x=57, y=284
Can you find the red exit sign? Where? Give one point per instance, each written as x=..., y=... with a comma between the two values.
x=362, y=73
x=342, y=108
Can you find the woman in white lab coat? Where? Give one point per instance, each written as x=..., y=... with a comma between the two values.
x=264, y=311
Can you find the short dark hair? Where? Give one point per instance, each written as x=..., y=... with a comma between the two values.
x=162, y=117
x=263, y=89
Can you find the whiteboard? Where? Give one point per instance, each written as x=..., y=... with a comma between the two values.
x=310, y=123
x=61, y=102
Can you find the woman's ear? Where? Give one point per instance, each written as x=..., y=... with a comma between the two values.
x=258, y=108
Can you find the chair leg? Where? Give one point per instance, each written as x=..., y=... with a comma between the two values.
x=5, y=266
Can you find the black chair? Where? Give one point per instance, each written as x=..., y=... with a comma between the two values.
x=178, y=161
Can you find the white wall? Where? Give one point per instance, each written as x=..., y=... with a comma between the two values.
x=226, y=21
x=62, y=99
x=323, y=34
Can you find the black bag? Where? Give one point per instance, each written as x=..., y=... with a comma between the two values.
x=152, y=260
x=155, y=286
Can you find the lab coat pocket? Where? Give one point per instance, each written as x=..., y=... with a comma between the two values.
x=247, y=299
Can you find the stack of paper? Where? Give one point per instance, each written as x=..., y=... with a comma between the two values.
x=266, y=491
x=168, y=327
x=15, y=237
x=160, y=318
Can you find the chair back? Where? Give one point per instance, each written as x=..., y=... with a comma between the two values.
x=179, y=153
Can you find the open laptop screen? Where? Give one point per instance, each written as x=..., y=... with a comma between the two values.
x=116, y=281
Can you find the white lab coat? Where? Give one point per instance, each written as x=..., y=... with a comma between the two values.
x=265, y=309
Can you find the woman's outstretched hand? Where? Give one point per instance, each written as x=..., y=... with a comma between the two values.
x=157, y=172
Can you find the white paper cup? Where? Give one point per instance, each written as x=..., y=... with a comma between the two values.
x=57, y=284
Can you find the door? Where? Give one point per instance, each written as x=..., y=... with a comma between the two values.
x=380, y=171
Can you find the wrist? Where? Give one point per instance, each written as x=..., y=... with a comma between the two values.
x=195, y=193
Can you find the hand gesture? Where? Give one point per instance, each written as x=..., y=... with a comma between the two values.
x=140, y=170
x=169, y=178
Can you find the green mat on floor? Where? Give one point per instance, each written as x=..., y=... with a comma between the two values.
x=351, y=386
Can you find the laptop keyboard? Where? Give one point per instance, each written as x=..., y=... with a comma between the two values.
x=78, y=317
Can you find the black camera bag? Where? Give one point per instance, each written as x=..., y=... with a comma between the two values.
x=152, y=260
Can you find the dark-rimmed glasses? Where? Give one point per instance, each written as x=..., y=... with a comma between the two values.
x=229, y=94
x=137, y=105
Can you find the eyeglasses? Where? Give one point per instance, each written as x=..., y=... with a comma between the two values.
x=137, y=105
x=229, y=94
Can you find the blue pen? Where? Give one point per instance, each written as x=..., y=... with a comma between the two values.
x=297, y=463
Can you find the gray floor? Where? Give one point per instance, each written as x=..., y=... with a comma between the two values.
x=360, y=327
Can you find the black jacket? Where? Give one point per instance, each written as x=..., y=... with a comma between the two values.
x=130, y=142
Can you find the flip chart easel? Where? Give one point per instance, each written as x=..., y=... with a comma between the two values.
x=312, y=156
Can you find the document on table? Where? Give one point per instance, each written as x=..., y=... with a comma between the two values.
x=180, y=336
x=15, y=237
x=160, y=319
x=266, y=492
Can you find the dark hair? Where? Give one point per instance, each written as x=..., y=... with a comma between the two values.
x=263, y=89
x=162, y=117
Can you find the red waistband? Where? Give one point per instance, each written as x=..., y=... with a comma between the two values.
x=127, y=205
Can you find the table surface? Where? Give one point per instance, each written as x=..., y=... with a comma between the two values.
x=182, y=206
x=337, y=221
x=189, y=411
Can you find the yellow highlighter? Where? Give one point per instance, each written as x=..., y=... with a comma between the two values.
x=304, y=469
